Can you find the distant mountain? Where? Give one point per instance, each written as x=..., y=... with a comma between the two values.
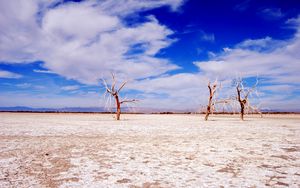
x=66, y=109
x=280, y=111
x=92, y=109
x=124, y=109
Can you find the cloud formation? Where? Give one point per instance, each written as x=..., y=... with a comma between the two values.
x=70, y=87
x=90, y=41
x=93, y=39
x=275, y=62
x=271, y=13
x=279, y=65
x=7, y=74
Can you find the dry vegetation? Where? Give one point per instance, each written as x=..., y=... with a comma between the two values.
x=115, y=93
x=93, y=150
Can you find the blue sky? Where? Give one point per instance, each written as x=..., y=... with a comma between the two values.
x=54, y=54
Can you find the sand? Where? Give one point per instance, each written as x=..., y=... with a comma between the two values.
x=94, y=150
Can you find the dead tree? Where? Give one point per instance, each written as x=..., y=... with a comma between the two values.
x=212, y=90
x=224, y=103
x=254, y=109
x=115, y=94
x=242, y=96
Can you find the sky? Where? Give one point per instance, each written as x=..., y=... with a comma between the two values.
x=55, y=54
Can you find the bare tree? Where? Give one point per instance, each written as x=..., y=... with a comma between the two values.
x=115, y=94
x=210, y=106
x=243, y=97
x=224, y=104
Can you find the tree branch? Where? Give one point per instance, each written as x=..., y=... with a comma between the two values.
x=106, y=86
x=124, y=83
x=130, y=100
x=251, y=89
x=114, y=82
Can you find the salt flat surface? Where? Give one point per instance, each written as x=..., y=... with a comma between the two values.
x=94, y=150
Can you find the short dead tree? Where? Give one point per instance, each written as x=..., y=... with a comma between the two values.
x=115, y=94
x=243, y=97
x=210, y=106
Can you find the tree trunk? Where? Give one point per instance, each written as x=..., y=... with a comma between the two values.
x=208, y=108
x=242, y=102
x=118, y=113
x=209, y=102
x=242, y=111
x=207, y=113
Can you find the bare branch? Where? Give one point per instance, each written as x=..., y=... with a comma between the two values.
x=104, y=82
x=251, y=89
x=243, y=100
x=106, y=87
x=114, y=82
x=114, y=93
x=124, y=83
x=226, y=101
x=209, y=88
x=130, y=100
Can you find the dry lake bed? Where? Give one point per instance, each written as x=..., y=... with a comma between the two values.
x=94, y=150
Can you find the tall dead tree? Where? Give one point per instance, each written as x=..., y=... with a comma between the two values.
x=115, y=94
x=212, y=90
x=242, y=96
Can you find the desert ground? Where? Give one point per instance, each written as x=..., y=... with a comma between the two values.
x=94, y=150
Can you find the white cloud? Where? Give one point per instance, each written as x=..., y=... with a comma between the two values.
x=70, y=87
x=279, y=65
x=109, y=54
x=275, y=62
x=271, y=13
x=293, y=22
x=43, y=71
x=7, y=74
x=242, y=6
x=183, y=90
x=169, y=83
x=51, y=101
x=210, y=37
x=39, y=87
x=18, y=39
x=125, y=7
x=280, y=88
x=88, y=40
x=264, y=44
x=24, y=85
x=80, y=21
x=281, y=102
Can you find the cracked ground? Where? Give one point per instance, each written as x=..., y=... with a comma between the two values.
x=94, y=150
